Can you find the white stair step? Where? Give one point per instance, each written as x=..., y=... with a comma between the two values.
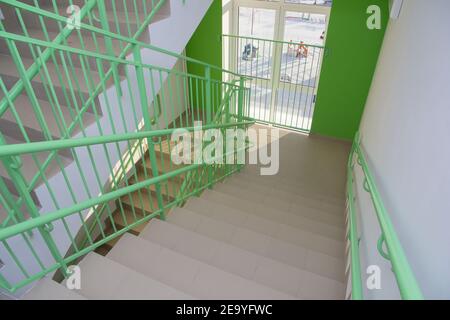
x=266, y=209
x=286, y=252
x=47, y=289
x=232, y=259
x=290, y=183
x=190, y=275
x=55, y=121
x=275, y=199
x=10, y=76
x=265, y=218
x=271, y=187
x=52, y=25
x=103, y=278
x=8, y=68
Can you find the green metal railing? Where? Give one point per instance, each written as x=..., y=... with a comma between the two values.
x=407, y=283
x=101, y=121
x=283, y=78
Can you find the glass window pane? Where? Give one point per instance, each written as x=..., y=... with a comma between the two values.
x=306, y=27
x=256, y=22
x=326, y=3
x=255, y=55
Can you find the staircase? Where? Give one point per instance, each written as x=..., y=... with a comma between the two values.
x=86, y=176
x=64, y=85
x=250, y=237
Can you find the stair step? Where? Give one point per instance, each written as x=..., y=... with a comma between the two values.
x=275, y=200
x=130, y=218
x=10, y=76
x=270, y=185
x=146, y=202
x=169, y=188
x=103, y=278
x=56, y=119
x=267, y=208
x=163, y=164
x=230, y=258
x=264, y=219
x=47, y=289
x=252, y=173
x=142, y=200
x=188, y=275
x=311, y=258
x=165, y=147
x=122, y=18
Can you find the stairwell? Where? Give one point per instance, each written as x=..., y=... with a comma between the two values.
x=250, y=237
x=71, y=89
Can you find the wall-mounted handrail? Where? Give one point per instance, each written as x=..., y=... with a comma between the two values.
x=406, y=281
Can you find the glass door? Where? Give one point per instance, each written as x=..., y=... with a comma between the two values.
x=278, y=45
x=299, y=69
x=255, y=52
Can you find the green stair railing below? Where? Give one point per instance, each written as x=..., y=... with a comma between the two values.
x=142, y=183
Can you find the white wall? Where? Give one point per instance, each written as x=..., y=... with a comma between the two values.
x=406, y=135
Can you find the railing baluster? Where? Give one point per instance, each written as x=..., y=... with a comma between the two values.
x=148, y=126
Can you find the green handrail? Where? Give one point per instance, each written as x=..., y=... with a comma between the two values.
x=200, y=97
x=115, y=36
x=406, y=281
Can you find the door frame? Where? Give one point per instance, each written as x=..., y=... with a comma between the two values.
x=280, y=7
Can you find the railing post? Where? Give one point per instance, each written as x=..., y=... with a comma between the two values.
x=148, y=125
x=209, y=112
x=208, y=85
x=240, y=111
x=241, y=99
x=109, y=45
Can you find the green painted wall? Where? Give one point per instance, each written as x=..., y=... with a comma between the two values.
x=348, y=68
x=206, y=43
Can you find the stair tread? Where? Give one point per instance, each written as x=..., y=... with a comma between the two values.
x=189, y=275
x=169, y=188
x=130, y=218
x=143, y=200
x=47, y=289
x=267, y=185
x=284, y=236
x=162, y=163
x=103, y=278
x=120, y=12
x=290, y=253
x=276, y=199
x=7, y=67
x=25, y=112
x=265, y=218
x=267, y=206
x=235, y=260
x=252, y=173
